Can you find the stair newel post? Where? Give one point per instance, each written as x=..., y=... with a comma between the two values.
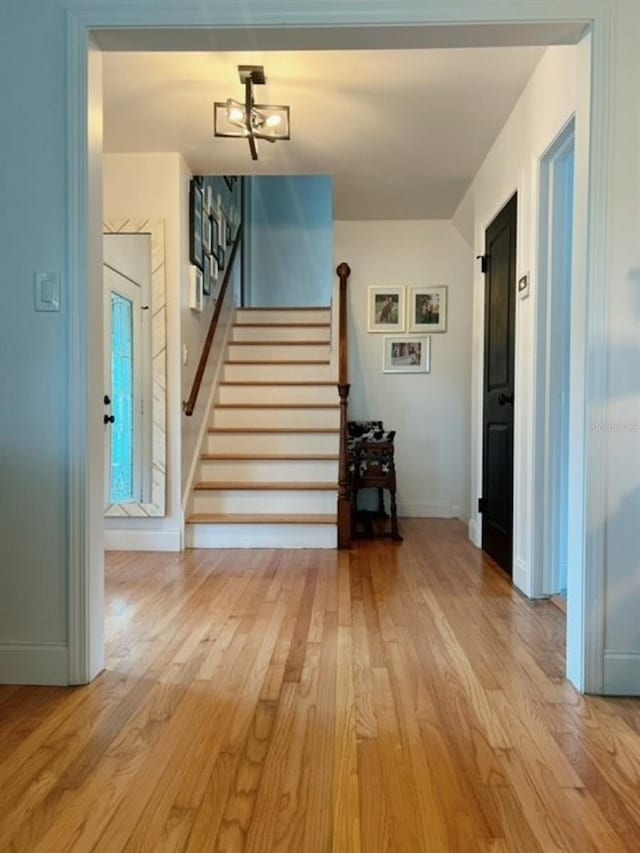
x=344, y=485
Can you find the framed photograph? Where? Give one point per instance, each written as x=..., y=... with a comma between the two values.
x=206, y=235
x=196, y=202
x=411, y=354
x=428, y=309
x=386, y=309
x=206, y=275
x=215, y=235
x=223, y=228
x=195, y=294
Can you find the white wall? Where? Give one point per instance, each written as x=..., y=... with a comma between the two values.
x=290, y=220
x=431, y=412
x=545, y=107
x=152, y=185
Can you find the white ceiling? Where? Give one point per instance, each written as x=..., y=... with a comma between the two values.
x=403, y=132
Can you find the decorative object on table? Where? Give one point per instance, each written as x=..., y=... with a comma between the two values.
x=428, y=309
x=195, y=289
x=206, y=275
x=409, y=354
x=196, y=202
x=386, y=309
x=371, y=465
x=247, y=120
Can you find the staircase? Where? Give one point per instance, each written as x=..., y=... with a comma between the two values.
x=268, y=474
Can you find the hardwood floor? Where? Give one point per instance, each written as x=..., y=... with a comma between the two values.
x=395, y=698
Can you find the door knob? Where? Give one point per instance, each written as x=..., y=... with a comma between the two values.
x=503, y=399
x=109, y=419
x=106, y=400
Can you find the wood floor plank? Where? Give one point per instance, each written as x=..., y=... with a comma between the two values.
x=391, y=698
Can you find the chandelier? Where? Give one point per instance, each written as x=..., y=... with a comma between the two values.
x=248, y=120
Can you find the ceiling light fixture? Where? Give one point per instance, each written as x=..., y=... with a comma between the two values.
x=249, y=120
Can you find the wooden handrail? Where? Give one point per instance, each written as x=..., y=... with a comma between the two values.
x=189, y=405
x=344, y=484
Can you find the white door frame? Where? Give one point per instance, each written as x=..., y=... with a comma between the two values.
x=553, y=351
x=86, y=569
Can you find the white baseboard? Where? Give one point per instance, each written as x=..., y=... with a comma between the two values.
x=34, y=663
x=475, y=531
x=522, y=577
x=426, y=509
x=621, y=673
x=142, y=540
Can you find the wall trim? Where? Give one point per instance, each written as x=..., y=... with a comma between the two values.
x=586, y=648
x=33, y=663
x=142, y=540
x=426, y=509
x=204, y=426
x=621, y=673
x=475, y=531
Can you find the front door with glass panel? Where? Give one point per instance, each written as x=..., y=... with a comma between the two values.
x=123, y=392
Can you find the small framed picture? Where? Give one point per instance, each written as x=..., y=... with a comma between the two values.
x=195, y=223
x=215, y=234
x=428, y=309
x=223, y=229
x=206, y=275
x=206, y=234
x=196, y=285
x=386, y=309
x=411, y=354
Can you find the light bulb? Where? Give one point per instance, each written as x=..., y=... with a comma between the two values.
x=235, y=113
x=274, y=120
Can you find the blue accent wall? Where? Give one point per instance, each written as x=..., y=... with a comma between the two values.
x=290, y=241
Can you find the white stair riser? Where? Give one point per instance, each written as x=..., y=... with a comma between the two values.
x=261, y=536
x=278, y=372
x=278, y=352
x=273, y=315
x=269, y=470
x=277, y=418
x=306, y=394
x=281, y=333
x=272, y=442
x=268, y=502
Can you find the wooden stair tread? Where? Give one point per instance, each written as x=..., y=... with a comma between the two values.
x=288, y=308
x=277, y=406
x=270, y=457
x=217, y=518
x=278, y=343
x=281, y=325
x=260, y=486
x=276, y=430
x=248, y=383
x=270, y=361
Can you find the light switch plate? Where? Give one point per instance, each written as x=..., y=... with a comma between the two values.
x=47, y=291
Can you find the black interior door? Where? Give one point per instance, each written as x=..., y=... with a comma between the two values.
x=499, y=357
